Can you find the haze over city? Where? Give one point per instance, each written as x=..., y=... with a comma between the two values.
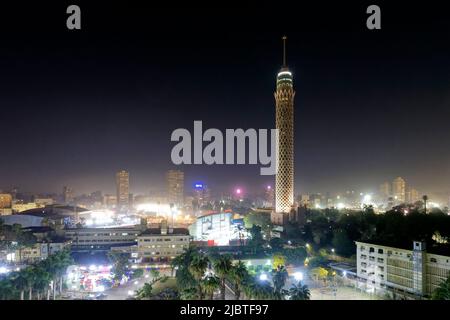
x=367, y=110
x=259, y=152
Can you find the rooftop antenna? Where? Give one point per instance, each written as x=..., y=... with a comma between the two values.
x=284, y=50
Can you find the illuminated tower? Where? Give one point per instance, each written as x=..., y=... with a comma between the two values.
x=284, y=180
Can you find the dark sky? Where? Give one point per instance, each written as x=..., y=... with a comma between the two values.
x=76, y=106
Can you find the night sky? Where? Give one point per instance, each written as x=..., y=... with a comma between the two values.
x=76, y=106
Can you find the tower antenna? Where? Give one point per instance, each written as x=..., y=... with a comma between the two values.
x=284, y=50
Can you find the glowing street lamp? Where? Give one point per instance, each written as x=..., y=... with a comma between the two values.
x=298, y=276
x=263, y=277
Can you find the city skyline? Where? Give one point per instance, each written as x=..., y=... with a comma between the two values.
x=359, y=111
x=206, y=153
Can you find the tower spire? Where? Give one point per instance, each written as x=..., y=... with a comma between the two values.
x=284, y=50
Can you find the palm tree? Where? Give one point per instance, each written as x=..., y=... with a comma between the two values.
x=30, y=278
x=443, y=291
x=279, y=278
x=64, y=260
x=42, y=280
x=425, y=200
x=210, y=285
x=198, y=268
x=222, y=268
x=20, y=283
x=188, y=294
x=7, y=289
x=258, y=290
x=181, y=264
x=299, y=292
x=239, y=274
x=145, y=291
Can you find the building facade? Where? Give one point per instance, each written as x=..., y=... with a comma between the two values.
x=414, y=273
x=175, y=187
x=5, y=204
x=39, y=251
x=284, y=179
x=122, y=190
x=162, y=244
x=101, y=239
x=399, y=190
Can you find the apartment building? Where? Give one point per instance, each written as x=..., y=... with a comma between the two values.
x=413, y=272
x=101, y=239
x=162, y=244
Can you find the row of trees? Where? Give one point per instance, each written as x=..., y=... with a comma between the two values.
x=199, y=276
x=44, y=278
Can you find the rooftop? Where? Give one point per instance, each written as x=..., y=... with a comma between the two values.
x=157, y=231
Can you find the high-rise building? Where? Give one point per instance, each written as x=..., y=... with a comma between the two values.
x=284, y=180
x=412, y=196
x=269, y=196
x=201, y=195
x=5, y=201
x=67, y=194
x=399, y=190
x=123, y=190
x=385, y=190
x=175, y=187
x=5, y=204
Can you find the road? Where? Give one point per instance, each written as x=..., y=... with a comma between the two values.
x=122, y=292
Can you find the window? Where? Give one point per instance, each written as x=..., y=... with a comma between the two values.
x=371, y=249
x=380, y=251
x=381, y=260
x=363, y=256
x=433, y=260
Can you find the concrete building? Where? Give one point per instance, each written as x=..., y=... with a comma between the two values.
x=284, y=179
x=39, y=251
x=162, y=244
x=385, y=192
x=19, y=206
x=412, y=196
x=215, y=227
x=399, y=190
x=122, y=190
x=67, y=195
x=409, y=272
x=269, y=197
x=101, y=239
x=42, y=202
x=175, y=187
x=5, y=204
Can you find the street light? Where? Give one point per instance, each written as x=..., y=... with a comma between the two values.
x=332, y=250
x=263, y=277
x=298, y=276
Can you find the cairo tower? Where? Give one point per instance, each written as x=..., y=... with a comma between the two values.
x=284, y=180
